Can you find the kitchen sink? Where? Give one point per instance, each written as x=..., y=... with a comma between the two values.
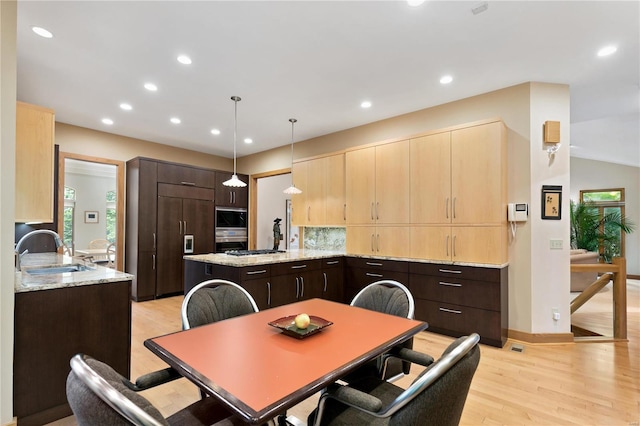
x=59, y=269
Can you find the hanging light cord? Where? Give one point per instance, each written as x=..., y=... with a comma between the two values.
x=292, y=120
x=235, y=130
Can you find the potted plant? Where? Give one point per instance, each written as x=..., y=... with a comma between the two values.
x=591, y=231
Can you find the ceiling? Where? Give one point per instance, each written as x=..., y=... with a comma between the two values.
x=318, y=60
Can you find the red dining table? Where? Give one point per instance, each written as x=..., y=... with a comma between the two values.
x=259, y=372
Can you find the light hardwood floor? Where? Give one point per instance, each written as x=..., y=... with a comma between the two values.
x=580, y=383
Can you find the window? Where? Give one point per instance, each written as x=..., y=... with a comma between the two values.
x=68, y=216
x=111, y=216
x=610, y=206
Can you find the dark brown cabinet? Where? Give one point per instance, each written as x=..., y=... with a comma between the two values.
x=231, y=197
x=165, y=202
x=459, y=300
x=362, y=271
x=295, y=281
x=333, y=278
x=51, y=326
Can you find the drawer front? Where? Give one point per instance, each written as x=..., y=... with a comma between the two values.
x=459, y=320
x=377, y=264
x=477, y=294
x=255, y=272
x=295, y=267
x=459, y=272
x=182, y=175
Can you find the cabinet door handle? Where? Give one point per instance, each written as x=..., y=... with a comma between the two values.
x=372, y=242
x=324, y=274
x=153, y=261
x=450, y=284
x=374, y=264
x=372, y=210
x=377, y=210
x=301, y=287
x=180, y=223
x=297, y=288
x=333, y=262
x=154, y=240
x=371, y=274
x=299, y=266
x=454, y=245
x=446, y=208
x=261, y=271
x=447, y=246
x=309, y=213
x=378, y=242
x=230, y=197
x=449, y=271
x=268, y=293
x=233, y=197
x=185, y=226
x=453, y=209
x=188, y=183
x=451, y=311
x=344, y=212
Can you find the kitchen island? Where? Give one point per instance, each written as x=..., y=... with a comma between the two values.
x=60, y=314
x=273, y=279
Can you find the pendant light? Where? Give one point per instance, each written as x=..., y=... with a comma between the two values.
x=234, y=181
x=292, y=190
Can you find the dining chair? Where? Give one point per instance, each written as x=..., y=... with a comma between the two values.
x=436, y=397
x=98, y=395
x=215, y=300
x=111, y=256
x=389, y=297
x=99, y=243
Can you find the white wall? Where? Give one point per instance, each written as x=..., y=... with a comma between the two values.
x=271, y=204
x=8, y=18
x=591, y=174
x=91, y=194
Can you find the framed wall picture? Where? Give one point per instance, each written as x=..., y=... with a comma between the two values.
x=552, y=202
x=90, y=217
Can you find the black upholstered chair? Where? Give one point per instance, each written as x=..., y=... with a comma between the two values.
x=436, y=397
x=215, y=300
x=389, y=297
x=98, y=395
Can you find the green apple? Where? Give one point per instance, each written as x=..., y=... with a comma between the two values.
x=302, y=321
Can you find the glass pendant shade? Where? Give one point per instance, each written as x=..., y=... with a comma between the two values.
x=292, y=190
x=235, y=182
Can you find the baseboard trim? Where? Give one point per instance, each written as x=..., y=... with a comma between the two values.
x=541, y=338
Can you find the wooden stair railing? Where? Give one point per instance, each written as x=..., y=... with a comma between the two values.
x=616, y=271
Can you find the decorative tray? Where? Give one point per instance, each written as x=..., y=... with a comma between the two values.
x=288, y=326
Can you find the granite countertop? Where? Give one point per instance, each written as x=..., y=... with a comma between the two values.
x=306, y=254
x=95, y=274
x=263, y=259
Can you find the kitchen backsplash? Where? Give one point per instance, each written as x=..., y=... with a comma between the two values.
x=325, y=238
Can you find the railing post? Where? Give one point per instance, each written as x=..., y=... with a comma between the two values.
x=620, y=298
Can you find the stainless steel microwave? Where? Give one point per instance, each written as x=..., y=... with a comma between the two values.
x=229, y=217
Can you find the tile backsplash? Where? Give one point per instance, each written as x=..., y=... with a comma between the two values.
x=325, y=238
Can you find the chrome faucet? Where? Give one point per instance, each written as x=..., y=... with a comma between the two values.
x=28, y=235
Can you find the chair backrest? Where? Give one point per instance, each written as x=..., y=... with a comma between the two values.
x=99, y=243
x=440, y=392
x=98, y=396
x=387, y=296
x=215, y=300
x=111, y=255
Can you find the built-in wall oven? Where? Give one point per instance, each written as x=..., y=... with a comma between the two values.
x=231, y=229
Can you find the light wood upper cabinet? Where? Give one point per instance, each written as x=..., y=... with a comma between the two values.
x=472, y=244
x=321, y=202
x=34, y=163
x=431, y=178
x=478, y=174
x=377, y=189
x=379, y=240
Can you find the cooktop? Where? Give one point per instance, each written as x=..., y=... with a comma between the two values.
x=250, y=252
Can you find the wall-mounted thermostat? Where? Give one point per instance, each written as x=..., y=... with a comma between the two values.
x=188, y=243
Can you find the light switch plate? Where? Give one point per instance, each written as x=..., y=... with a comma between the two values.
x=555, y=244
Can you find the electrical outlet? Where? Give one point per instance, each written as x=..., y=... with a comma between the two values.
x=555, y=244
x=555, y=314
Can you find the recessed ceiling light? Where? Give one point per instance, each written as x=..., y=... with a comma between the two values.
x=415, y=3
x=126, y=106
x=151, y=87
x=175, y=120
x=248, y=140
x=184, y=59
x=42, y=32
x=365, y=104
x=446, y=79
x=479, y=8
x=107, y=121
x=215, y=131
x=608, y=50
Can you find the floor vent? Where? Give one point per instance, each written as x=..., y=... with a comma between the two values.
x=517, y=348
